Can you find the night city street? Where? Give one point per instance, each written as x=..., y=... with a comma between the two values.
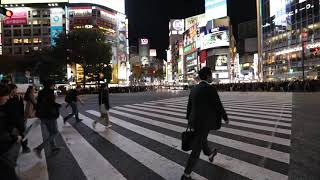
x=159, y=90
x=270, y=136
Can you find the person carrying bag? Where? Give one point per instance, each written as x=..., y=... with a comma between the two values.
x=204, y=113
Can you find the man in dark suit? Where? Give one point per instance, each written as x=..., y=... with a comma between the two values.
x=205, y=112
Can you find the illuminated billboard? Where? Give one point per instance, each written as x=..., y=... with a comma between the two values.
x=221, y=62
x=117, y=5
x=31, y=1
x=20, y=17
x=195, y=20
x=215, y=39
x=216, y=9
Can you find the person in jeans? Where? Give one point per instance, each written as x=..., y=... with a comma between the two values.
x=72, y=99
x=15, y=110
x=104, y=107
x=48, y=113
x=204, y=113
x=7, y=139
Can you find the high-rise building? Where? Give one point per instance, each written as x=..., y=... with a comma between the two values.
x=176, y=63
x=247, y=47
x=35, y=24
x=289, y=39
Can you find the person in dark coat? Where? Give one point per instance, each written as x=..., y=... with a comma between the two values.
x=104, y=107
x=47, y=110
x=72, y=100
x=204, y=113
x=7, y=139
x=15, y=110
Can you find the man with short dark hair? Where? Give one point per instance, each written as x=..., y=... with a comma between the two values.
x=204, y=113
x=48, y=113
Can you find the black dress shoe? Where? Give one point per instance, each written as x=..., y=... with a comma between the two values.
x=184, y=177
x=213, y=154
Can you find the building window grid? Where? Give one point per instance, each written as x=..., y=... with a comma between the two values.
x=309, y=19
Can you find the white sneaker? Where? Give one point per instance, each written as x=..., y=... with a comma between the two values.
x=94, y=125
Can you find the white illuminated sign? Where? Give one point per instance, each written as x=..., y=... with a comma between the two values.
x=216, y=39
x=31, y=1
x=278, y=9
x=88, y=26
x=117, y=5
x=153, y=52
x=178, y=25
x=215, y=9
x=144, y=41
x=194, y=20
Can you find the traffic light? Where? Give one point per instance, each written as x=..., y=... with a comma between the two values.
x=6, y=12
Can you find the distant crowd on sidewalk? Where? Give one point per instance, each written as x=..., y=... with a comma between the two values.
x=277, y=86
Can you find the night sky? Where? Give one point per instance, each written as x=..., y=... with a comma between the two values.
x=150, y=18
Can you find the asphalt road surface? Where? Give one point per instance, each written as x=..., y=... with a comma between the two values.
x=272, y=136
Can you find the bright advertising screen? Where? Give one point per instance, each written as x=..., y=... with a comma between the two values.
x=31, y=1
x=194, y=20
x=215, y=39
x=117, y=5
x=221, y=62
x=216, y=9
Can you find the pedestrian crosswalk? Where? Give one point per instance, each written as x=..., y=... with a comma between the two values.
x=145, y=142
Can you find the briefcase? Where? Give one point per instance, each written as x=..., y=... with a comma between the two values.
x=186, y=139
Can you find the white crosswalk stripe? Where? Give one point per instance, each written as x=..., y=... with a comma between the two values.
x=29, y=167
x=94, y=166
x=259, y=131
x=181, y=120
x=233, y=164
x=283, y=157
x=164, y=167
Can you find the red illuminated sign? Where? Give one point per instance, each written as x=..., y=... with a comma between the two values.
x=16, y=18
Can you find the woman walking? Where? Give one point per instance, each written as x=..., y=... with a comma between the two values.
x=103, y=107
x=29, y=97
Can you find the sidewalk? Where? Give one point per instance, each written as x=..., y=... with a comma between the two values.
x=305, y=148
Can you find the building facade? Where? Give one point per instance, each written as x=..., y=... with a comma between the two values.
x=34, y=26
x=289, y=39
x=176, y=61
x=247, y=47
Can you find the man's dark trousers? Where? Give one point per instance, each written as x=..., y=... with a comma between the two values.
x=75, y=111
x=199, y=143
x=52, y=127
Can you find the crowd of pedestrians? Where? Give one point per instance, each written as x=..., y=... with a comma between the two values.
x=16, y=110
x=277, y=86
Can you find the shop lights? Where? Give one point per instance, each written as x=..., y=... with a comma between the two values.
x=53, y=5
x=295, y=49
